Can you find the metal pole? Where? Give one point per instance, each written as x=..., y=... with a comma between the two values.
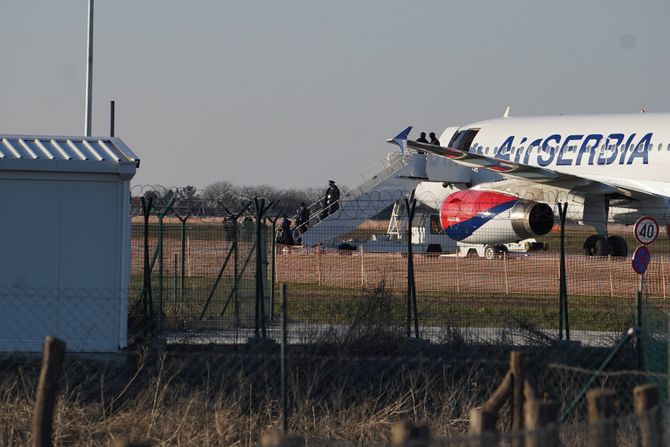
x=111, y=118
x=284, y=337
x=563, y=294
x=236, y=272
x=160, y=271
x=174, y=283
x=409, y=272
x=89, y=72
x=629, y=333
x=638, y=327
x=274, y=268
x=411, y=285
x=148, y=299
x=183, y=259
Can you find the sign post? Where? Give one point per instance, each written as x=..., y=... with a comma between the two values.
x=646, y=231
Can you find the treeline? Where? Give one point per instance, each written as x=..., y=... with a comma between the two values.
x=214, y=199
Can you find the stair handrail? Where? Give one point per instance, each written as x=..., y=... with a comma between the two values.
x=390, y=164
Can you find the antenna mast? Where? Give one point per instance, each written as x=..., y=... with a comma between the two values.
x=89, y=71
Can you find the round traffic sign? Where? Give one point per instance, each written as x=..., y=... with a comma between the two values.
x=646, y=230
x=641, y=259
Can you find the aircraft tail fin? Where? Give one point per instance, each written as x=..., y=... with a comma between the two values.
x=401, y=139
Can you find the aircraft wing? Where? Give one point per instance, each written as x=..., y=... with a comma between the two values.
x=536, y=174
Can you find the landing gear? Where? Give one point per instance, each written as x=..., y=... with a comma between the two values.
x=597, y=245
x=618, y=246
x=494, y=251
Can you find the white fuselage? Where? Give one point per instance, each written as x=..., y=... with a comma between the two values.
x=626, y=150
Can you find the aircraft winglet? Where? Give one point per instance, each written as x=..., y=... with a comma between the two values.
x=401, y=139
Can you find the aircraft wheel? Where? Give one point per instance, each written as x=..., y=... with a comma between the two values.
x=489, y=252
x=502, y=250
x=618, y=246
x=596, y=245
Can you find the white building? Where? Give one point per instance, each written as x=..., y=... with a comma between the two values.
x=64, y=241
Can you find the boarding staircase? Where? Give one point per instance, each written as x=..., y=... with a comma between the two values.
x=369, y=193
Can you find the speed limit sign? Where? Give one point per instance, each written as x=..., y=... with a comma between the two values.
x=646, y=230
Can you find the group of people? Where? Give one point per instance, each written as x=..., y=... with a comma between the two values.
x=433, y=139
x=330, y=204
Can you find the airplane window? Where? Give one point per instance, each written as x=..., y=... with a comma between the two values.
x=660, y=146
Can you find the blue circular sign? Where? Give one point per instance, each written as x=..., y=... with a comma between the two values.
x=641, y=259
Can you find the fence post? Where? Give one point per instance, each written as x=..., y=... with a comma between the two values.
x=483, y=428
x=147, y=302
x=458, y=272
x=646, y=399
x=602, y=426
x=53, y=353
x=284, y=371
x=540, y=424
x=318, y=263
x=663, y=276
x=505, y=258
x=125, y=443
x=407, y=434
x=609, y=269
x=517, y=366
x=362, y=253
x=279, y=439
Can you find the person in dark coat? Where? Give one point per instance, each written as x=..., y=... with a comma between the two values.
x=433, y=139
x=286, y=233
x=422, y=138
x=303, y=218
x=332, y=197
x=324, y=207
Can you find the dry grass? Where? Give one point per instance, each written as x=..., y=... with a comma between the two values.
x=215, y=398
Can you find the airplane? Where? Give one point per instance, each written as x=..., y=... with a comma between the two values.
x=608, y=168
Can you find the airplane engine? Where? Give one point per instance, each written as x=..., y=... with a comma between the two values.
x=491, y=217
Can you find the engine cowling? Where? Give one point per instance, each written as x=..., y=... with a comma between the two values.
x=491, y=217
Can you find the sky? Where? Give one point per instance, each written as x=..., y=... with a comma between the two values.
x=294, y=93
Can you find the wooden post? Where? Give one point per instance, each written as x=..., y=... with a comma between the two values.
x=362, y=252
x=407, y=434
x=483, y=428
x=126, y=443
x=280, y=439
x=506, y=276
x=601, y=408
x=188, y=258
x=458, y=274
x=318, y=263
x=646, y=399
x=540, y=423
x=609, y=267
x=663, y=276
x=517, y=366
x=47, y=389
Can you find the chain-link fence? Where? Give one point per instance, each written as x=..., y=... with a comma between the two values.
x=387, y=318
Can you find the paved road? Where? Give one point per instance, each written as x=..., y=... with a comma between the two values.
x=309, y=333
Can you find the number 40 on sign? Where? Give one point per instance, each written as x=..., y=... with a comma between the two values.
x=646, y=230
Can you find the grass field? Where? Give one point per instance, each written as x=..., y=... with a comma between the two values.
x=349, y=394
